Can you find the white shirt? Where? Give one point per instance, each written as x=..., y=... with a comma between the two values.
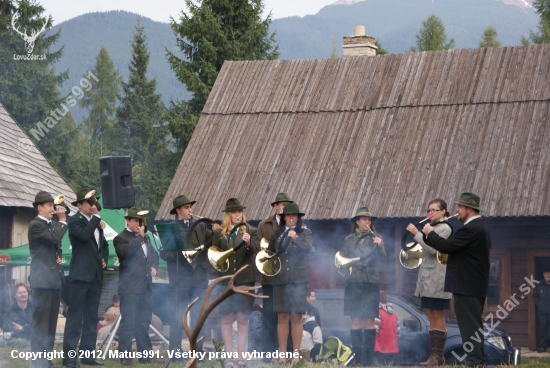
x=96, y=232
x=471, y=219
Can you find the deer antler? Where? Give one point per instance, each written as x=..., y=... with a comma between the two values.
x=208, y=306
x=13, y=19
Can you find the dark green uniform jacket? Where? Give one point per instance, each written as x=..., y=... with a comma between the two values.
x=293, y=260
x=45, y=247
x=179, y=269
x=242, y=257
x=364, y=271
x=266, y=229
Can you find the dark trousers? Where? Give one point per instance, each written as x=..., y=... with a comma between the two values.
x=136, y=311
x=179, y=300
x=81, y=317
x=45, y=308
x=468, y=314
x=269, y=321
x=543, y=324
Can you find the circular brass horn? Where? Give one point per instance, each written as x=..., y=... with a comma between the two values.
x=268, y=263
x=412, y=258
x=219, y=259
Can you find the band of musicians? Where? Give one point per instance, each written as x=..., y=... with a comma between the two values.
x=452, y=265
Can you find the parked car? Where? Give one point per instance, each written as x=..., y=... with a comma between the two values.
x=413, y=343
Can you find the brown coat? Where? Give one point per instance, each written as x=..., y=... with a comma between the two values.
x=266, y=229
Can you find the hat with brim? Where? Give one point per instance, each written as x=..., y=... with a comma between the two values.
x=363, y=212
x=281, y=197
x=291, y=209
x=42, y=197
x=180, y=201
x=133, y=213
x=471, y=200
x=233, y=204
x=81, y=196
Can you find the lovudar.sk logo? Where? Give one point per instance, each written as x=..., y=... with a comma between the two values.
x=29, y=40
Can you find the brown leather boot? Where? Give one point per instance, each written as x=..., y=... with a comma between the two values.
x=440, y=337
x=432, y=359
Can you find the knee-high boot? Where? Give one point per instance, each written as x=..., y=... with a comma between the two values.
x=357, y=346
x=369, y=339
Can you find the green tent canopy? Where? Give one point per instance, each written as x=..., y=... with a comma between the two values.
x=112, y=222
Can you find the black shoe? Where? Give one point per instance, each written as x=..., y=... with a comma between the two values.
x=541, y=350
x=90, y=362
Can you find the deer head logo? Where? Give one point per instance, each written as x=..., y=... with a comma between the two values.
x=29, y=40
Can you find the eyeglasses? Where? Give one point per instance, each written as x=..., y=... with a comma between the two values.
x=430, y=211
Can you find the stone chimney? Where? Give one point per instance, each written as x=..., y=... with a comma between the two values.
x=360, y=44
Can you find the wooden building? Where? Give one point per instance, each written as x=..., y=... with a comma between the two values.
x=24, y=171
x=391, y=132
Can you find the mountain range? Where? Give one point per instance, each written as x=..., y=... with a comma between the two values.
x=392, y=22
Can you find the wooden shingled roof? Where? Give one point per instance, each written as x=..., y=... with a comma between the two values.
x=391, y=132
x=24, y=171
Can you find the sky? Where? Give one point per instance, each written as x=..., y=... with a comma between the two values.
x=161, y=10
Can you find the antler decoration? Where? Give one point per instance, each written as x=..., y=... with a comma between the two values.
x=29, y=40
x=208, y=307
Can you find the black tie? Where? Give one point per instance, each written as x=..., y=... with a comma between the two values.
x=186, y=224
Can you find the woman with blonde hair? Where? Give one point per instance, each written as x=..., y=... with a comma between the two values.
x=236, y=307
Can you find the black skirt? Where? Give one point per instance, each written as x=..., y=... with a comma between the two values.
x=435, y=303
x=290, y=298
x=236, y=302
x=361, y=300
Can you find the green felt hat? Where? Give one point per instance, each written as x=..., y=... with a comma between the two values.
x=42, y=197
x=471, y=200
x=133, y=213
x=281, y=197
x=292, y=209
x=180, y=201
x=81, y=196
x=233, y=204
x=363, y=212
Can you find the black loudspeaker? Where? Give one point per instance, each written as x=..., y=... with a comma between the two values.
x=117, y=190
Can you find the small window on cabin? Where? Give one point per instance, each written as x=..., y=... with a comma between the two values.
x=493, y=293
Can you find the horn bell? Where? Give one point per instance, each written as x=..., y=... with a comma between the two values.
x=268, y=263
x=412, y=258
x=344, y=265
x=219, y=259
x=191, y=255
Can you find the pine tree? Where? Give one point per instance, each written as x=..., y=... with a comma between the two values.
x=490, y=38
x=141, y=129
x=209, y=33
x=432, y=36
x=380, y=50
x=29, y=89
x=542, y=7
x=98, y=127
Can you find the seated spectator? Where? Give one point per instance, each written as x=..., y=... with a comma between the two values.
x=18, y=318
x=387, y=332
x=109, y=319
x=311, y=310
x=116, y=304
x=312, y=337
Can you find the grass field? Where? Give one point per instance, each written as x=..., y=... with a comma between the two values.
x=11, y=348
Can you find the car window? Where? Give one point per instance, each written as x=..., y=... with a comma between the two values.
x=403, y=315
x=332, y=313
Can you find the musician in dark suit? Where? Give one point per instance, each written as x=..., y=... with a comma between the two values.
x=266, y=229
x=138, y=265
x=90, y=252
x=467, y=274
x=186, y=282
x=46, y=273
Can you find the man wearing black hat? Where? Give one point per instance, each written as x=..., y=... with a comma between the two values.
x=46, y=273
x=541, y=297
x=138, y=265
x=186, y=282
x=467, y=274
x=266, y=229
x=90, y=252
